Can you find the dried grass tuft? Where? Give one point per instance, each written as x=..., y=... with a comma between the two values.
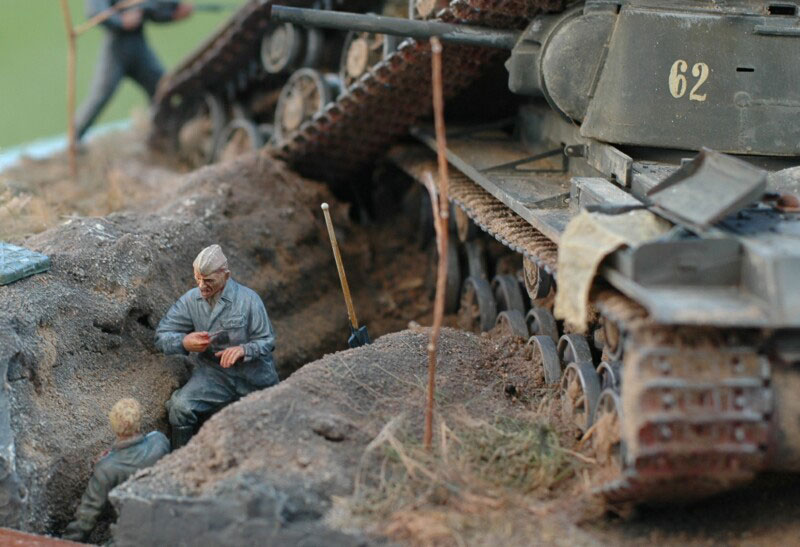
x=477, y=474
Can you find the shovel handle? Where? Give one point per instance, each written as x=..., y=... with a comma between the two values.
x=348, y=300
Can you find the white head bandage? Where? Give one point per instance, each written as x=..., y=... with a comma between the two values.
x=210, y=260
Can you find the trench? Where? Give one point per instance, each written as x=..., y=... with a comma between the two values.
x=79, y=337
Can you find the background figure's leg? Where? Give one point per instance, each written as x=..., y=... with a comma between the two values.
x=145, y=68
x=107, y=75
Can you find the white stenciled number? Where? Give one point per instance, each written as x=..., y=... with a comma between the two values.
x=699, y=70
x=677, y=79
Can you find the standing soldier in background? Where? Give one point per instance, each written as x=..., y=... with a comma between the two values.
x=225, y=328
x=131, y=451
x=125, y=53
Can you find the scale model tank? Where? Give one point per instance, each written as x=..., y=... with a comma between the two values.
x=648, y=182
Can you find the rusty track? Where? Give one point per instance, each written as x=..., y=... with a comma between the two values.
x=381, y=106
x=696, y=409
x=224, y=63
x=486, y=211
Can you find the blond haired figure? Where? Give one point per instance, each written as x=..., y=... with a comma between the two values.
x=131, y=451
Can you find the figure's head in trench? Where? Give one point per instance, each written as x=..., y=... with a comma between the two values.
x=126, y=418
x=211, y=271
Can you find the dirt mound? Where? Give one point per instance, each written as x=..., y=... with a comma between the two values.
x=76, y=339
x=275, y=461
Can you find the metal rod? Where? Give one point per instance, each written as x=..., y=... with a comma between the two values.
x=397, y=26
x=348, y=300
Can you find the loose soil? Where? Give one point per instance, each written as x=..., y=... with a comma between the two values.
x=331, y=455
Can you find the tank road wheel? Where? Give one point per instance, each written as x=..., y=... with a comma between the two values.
x=610, y=375
x=537, y=280
x=541, y=323
x=475, y=253
x=198, y=137
x=545, y=348
x=514, y=322
x=507, y=293
x=580, y=391
x=282, y=48
x=478, y=309
x=607, y=437
x=240, y=136
x=361, y=51
x=306, y=93
x=453, y=292
x=573, y=348
x=613, y=339
x=425, y=230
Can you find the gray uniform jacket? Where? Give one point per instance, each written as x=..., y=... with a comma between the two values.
x=158, y=11
x=124, y=459
x=239, y=318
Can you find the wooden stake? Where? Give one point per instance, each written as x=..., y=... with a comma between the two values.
x=441, y=214
x=105, y=14
x=71, y=56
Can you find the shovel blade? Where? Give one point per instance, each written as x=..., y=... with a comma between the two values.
x=359, y=337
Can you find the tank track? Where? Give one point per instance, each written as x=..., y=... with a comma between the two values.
x=224, y=59
x=381, y=106
x=698, y=408
x=486, y=211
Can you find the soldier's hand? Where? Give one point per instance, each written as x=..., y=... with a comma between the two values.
x=196, y=341
x=183, y=11
x=132, y=19
x=229, y=356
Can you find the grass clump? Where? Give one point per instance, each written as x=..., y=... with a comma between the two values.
x=464, y=491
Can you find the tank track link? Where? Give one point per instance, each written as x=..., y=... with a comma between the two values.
x=486, y=211
x=395, y=93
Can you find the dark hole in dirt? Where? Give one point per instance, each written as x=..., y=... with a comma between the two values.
x=142, y=317
x=108, y=327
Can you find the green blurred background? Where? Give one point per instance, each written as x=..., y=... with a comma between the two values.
x=33, y=64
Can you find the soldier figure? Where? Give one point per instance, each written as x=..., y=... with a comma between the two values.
x=125, y=53
x=224, y=328
x=131, y=451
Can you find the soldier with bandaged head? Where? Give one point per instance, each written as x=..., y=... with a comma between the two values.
x=224, y=329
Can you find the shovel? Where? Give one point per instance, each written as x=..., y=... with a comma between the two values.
x=358, y=336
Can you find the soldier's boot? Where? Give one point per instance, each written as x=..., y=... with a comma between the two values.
x=181, y=435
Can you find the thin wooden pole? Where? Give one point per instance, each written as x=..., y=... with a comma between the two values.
x=105, y=14
x=440, y=221
x=71, y=62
